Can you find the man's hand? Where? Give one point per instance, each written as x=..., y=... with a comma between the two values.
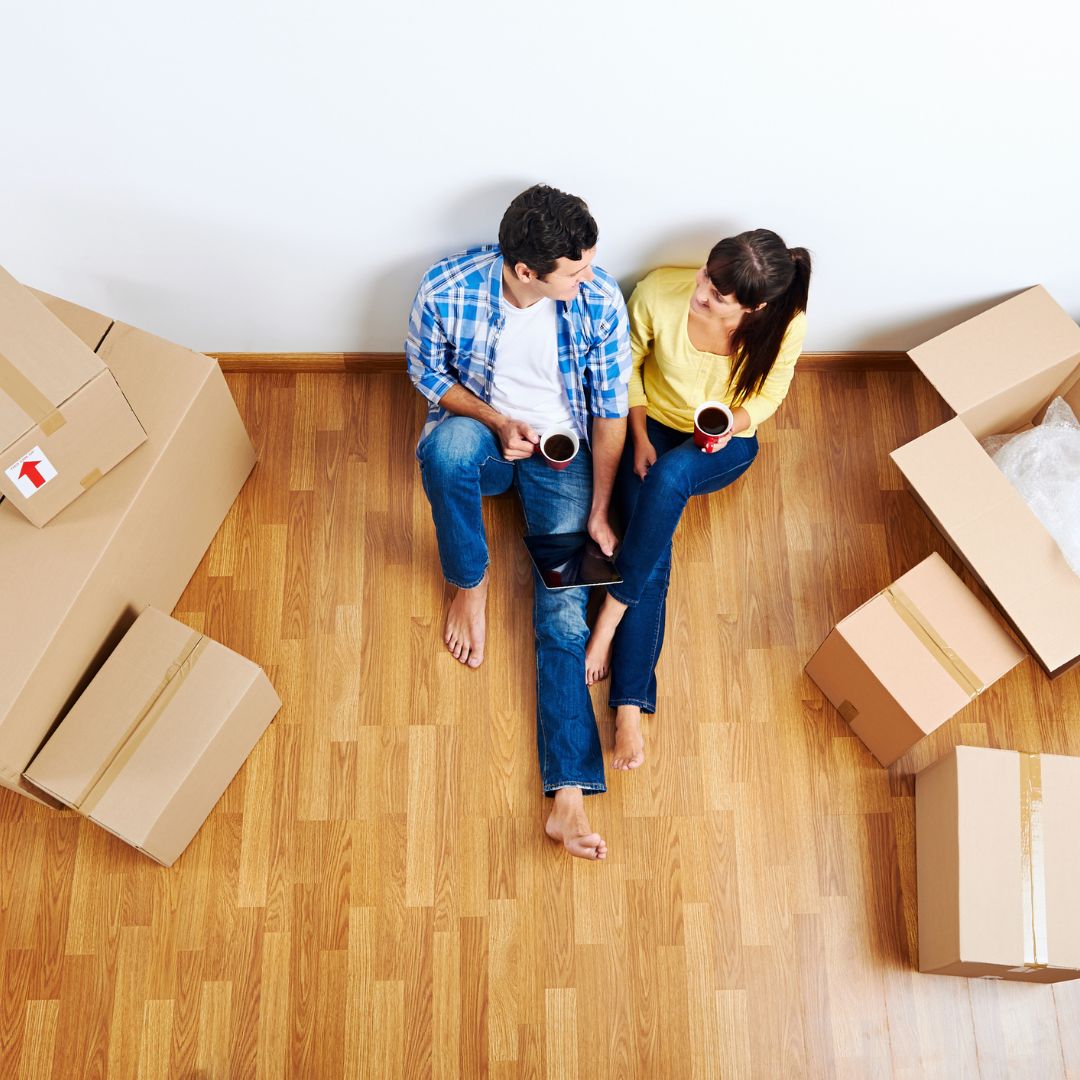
x=518, y=439
x=602, y=533
x=644, y=457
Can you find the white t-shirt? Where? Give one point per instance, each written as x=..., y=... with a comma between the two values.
x=527, y=384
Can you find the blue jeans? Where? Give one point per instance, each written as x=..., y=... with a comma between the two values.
x=460, y=462
x=652, y=509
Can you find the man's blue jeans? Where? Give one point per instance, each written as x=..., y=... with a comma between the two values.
x=460, y=462
x=652, y=509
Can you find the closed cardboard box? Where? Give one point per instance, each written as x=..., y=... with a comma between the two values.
x=910, y=658
x=64, y=422
x=998, y=857
x=998, y=372
x=152, y=744
x=133, y=540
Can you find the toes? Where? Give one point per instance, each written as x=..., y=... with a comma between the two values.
x=475, y=660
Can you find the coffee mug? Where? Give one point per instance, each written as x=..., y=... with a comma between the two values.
x=559, y=446
x=712, y=421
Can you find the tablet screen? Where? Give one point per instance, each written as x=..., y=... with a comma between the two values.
x=570, y=561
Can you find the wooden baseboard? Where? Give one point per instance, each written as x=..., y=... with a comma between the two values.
x=378, y=363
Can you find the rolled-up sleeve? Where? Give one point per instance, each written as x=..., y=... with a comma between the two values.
x=777, y=383
x=427, y=348
x=611, y=363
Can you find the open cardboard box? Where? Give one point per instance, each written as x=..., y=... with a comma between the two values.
x=999, y=371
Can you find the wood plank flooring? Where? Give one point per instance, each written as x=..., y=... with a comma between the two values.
x=374, y=896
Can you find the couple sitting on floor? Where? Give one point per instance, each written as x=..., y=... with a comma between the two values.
x=510, y=340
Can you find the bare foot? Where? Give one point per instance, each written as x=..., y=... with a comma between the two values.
x=598, y=650
x=568, y=824
x=629, y=742
x=466, y=625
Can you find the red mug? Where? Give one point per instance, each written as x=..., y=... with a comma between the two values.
x=712, y=422
x=559, y=446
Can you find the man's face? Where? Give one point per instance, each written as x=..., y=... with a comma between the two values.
x=562, y=283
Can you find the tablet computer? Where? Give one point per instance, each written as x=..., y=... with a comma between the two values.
x=570, y=561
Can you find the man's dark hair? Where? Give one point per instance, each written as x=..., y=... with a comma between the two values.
x=543, y=225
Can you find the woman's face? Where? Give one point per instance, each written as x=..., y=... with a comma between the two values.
x=707, y=300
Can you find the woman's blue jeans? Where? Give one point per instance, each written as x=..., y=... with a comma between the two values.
x=652, y=509
x=460, y=462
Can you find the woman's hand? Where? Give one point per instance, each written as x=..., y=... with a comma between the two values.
x=719, y=445
x=644, y=457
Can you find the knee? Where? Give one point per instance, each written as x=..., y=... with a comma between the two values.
x=456, y=441
x=560, y=617
x=669, y=476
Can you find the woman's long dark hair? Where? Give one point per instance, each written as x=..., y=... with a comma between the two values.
x=758, y=267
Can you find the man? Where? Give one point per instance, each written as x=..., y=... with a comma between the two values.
x=506, y=342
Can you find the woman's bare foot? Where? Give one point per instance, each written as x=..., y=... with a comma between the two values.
x=598, y=650
x=568, y=824
x=466, y=625
x=629, y=742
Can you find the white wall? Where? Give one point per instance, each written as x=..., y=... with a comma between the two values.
x=275, y=176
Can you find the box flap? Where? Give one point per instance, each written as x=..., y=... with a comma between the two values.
x=997, y=535
x=42, y=363
x=1000, y=348
x=90, y=327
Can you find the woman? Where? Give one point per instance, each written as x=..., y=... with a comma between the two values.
x=728, y=332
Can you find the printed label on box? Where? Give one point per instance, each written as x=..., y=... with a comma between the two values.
x=31, y=472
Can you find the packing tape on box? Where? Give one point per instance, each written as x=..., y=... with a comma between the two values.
x=29, y=398
x=159, y=698
x=935, y=644
x=1033, y=863
x=90, y=479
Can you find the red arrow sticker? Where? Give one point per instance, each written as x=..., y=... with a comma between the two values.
x=31, y=472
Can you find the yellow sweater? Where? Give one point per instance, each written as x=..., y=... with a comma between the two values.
x=672, y=378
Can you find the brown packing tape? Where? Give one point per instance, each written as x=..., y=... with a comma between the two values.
x=946, y=656
x=24, y=393
x=52, y=423
x=90, y=479
x=1033, y=863
x=162, y=694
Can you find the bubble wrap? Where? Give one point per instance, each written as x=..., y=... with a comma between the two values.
x=1043, y=464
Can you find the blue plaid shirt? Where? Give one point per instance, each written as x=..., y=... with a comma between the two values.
x=454, y=331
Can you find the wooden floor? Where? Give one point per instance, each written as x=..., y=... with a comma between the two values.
x=374, y=896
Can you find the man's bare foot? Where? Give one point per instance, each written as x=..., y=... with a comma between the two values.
x=629, y=742
x=598, y=650
x=568, y=824
x=466, y=625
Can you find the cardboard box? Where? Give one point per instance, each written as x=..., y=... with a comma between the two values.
x=152, y=744
x=71, y=590
x=998, y=854
x=910, y=658
x=64, y=422
x=999, y=371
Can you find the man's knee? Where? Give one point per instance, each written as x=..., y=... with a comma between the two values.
x=560, y=616
x=457, y=441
